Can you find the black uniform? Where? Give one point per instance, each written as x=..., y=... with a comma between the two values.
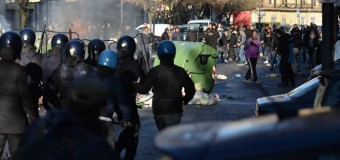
x=84, y=68
x=15, y=103
x=128, y=72
x=166, y=82
x=32, y=61
x=50, y=61
x=29, y=55
x=57, y=88
x=285, y=65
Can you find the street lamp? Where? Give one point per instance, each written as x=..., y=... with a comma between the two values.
x=261, y=14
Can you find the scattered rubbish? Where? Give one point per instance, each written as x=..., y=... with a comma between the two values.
x=202, y=98
x=221, y=77
x=238, y=75
x=274, y=75
x=144, y=100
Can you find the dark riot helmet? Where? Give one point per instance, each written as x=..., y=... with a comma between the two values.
x=94, y=48
x=10, y=40
x=81, y=41
x=27, y=36
x=126, y=43
x=59, y=40
x=74, y=48
x=166, y=48
x=109, y=59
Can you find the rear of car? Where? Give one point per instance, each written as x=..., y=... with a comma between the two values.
x=201, y=22
x=289, y=103
x=328, y=93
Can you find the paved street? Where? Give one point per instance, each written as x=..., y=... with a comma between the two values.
x=237, y=102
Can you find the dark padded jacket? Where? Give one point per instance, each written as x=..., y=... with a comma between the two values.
x=15, y=98
x=64, y=135
x=166, y=81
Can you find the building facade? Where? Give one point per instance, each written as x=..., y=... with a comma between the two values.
x=288, y=12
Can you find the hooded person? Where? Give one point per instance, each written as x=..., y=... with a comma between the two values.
x=166, y=82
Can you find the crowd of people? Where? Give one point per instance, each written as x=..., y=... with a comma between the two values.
x=286, y=47
x=80, y=95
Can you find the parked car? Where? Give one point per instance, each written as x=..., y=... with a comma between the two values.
x=317, y=69
x=157, y=29
x=288, y=104
x=311, y=135
x=185, y=28
x=201, y=22
x=328, y=93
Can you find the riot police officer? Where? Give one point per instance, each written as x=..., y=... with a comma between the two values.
x=128, y=72
x=117, y=100
x=15, y=96
x=94, y=48
x=57, y=88
x=53, y=58
x=32, y=61
x=28, y=53
x=80, y=65
x=167, y=81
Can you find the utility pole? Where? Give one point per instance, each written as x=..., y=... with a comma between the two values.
x=328, y=31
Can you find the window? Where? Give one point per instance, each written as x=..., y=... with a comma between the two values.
x=273, y=19
x=284, y=20
x=303, y=20
x=312, y=20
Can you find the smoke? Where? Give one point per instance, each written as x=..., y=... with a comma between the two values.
x=4, y=25
x=90, y=19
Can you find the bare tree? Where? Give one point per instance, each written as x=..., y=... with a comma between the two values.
x=182, y=9
x=22, y=7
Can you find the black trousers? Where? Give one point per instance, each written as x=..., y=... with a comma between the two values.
x=252, y=69
x=128, y=140
x=166, y=120
x=287, y=74
x=13, y=142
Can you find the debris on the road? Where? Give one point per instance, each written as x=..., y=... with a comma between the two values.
x=227, y=97
x=144, y=100
x=274, y=75
x=238, y=75
x=221, y=77
x=202, y=98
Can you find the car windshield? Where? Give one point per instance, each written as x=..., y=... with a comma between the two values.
x=304, y=88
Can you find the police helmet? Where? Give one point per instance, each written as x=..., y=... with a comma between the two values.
x=81, y=41
x=59, y=40
x=94, y=48
x=27, y=36
x=166, y=48
x=126, y=43
x=109, y=59
x=74, y=48
x=11, y=40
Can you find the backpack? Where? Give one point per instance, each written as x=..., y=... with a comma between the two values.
x=46, y=144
